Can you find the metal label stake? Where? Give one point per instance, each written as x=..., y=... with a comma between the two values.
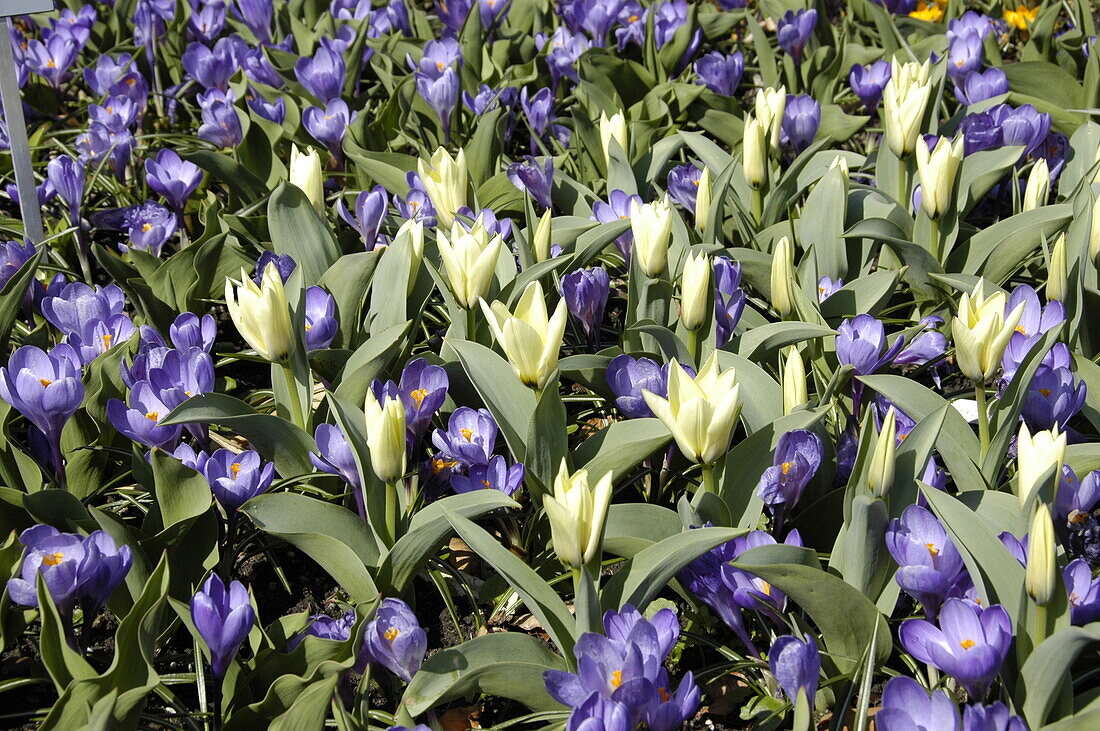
x=13, y=117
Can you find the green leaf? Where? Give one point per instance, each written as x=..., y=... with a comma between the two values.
x=540, y=598
x=182, y=493
x=847, y=619
x=428, y=531
x=297, y=230
x=1047, y=669
x=63, y=663
x=505, y=664
x=274, y=438
x=621, y=447
x=13, y=294
x=632, y=527
x=650, y=570
x=332, y=536
x=761, y=396
x=511, y=403
x=997, y=251
x=547, y=442
x=760, y=341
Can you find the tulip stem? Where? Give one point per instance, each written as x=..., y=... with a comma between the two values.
x=296, y=414
x=935, y=244
x=707, y=484
x=983, y=418
x=391, y=514
x=757, y=205
x=693, y=346
x=471, y=325
x=1040, y=633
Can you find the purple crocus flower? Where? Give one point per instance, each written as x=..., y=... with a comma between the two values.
x=257, y=15
x=188, y=457
x=565, y=48
x=58, y=557
x=324, y=627
x=801, y=119
x=969, y=644
x=1023, y=125
x=440, y=91
x=328, y=125
x=797, y=459
x=683, y=185
x=211, y=68
x=729, y=298
x=103, y=569
x=928, y=561
x=172, y=177
x=334, y=455
x=207, y=21
x=320, y=319
x=927, y=346
x=470, y=437
x=826, y=287
x=906, y=706
x=1053, y=398
x=992, y=717
x=668, y=711
x=597, y=713
x=51, y=59
x=721, y=73
x=1083, y=592
x=861, y=343
x=140, y=421
x=796, y=664
x=273, y=111
x=964, y=54
x=45, y=387
x=77, y=304
x=423, y=389
x=1074, y=499
x=496, y=475
x=117, y=113
x=618, y=208
x=969, y=23
x=868, y=82
x=627, y=378
x=585, y=292
x=538, y=109
x=395, y=640
x=322, y=75
x=13, y=255
x=96, y=337
x=108, y=71
x=237, y=478
x=148, y=225
x=220, y=124
x=750, y=592
x=67, y=177
x=284, y=264
x=668, y=17
x=189, y=330
x=977, y=86
x=223, y=618
x=794, y=30
x=44, y=192
x=1035, y=321
x=534, y=177
x=370, y=209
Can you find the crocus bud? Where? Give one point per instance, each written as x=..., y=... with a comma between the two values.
x=305, y=172
x=1094, y=234
x=754, y=152
x=470, y=259
x=702, y=200
x=794, y=381
x=981, y=332
x=700, y=412
x=577, y=512
x=904, y=100
x=695, y=291
x=651, y=224
x=386, y=436
x=880, y=475
x=770, y=104
x=223, y=617
x=783, y=278
x=445, y=180
x=530, y=337
x=937, y=171
x=540, y=241
x=1038, y=185
x=1039, y=458
x=1058, y=276
x=1041, y=576
x=613, y=129
x=261, y=313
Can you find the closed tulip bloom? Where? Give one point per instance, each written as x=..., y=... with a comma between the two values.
x=1041, y=574
x=651, y=224
x=904, y=101
x=530, y=337
x=754, y=152
x=613, y=128
x=470, y=260
x=796, y=664
x=576, y=512
x=1040, y=457
x=701, y=412
x=794, y=382
x=305, y=173
x=261, y=314
x=223, y=618
x=937, y=170
x=783, y=277
x=703, y=200
x=1038, y=186
x=1094, y=234
x=540, y=241
x=386, y=436
x=880, y=475
x=981, y=332
x=695, y=291
x=770, y=104
x=445, y=179
x=1058, y=275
